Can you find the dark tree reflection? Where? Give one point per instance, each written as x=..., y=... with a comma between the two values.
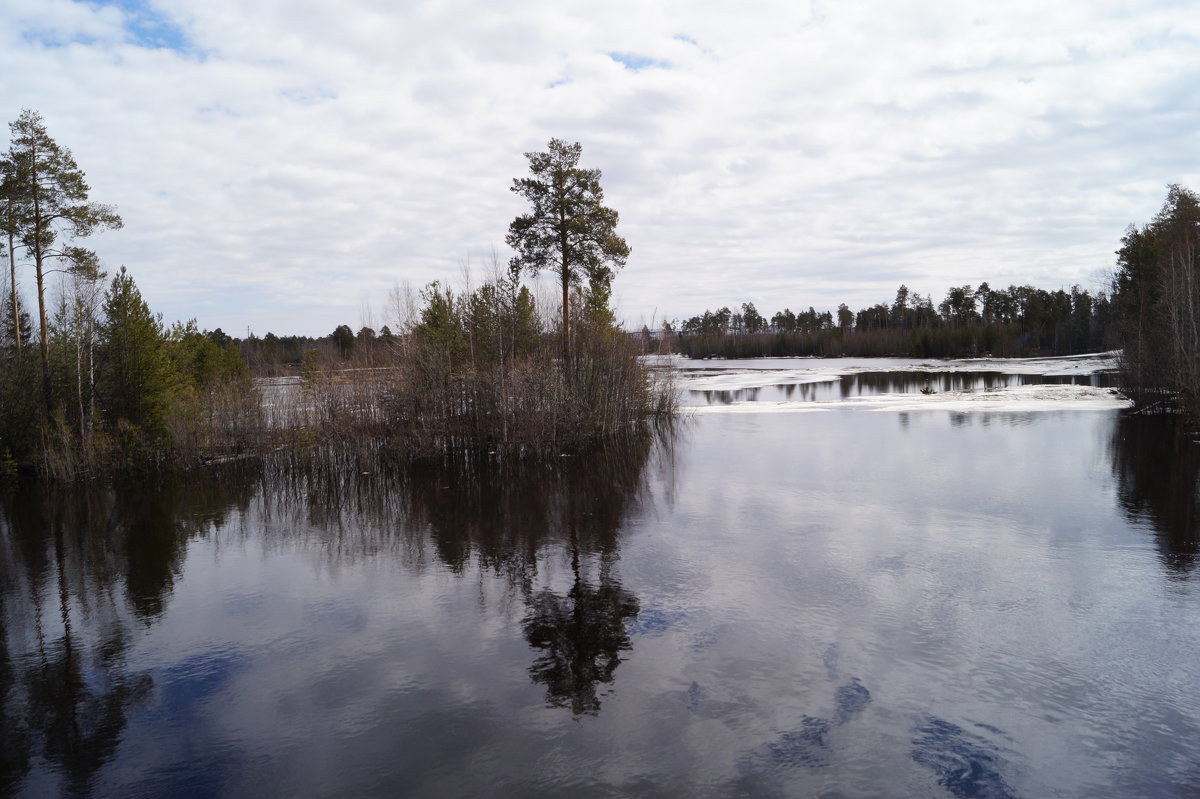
x=14, y=736
x=509, y=517
x=1158, y=477
x=78, y=702
x=79, y=569
x=580, y=635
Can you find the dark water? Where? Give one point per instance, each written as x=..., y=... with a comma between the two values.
x=850, y=604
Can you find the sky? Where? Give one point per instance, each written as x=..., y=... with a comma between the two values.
x=280, y=166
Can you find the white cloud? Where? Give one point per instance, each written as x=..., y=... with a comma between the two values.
x=288, y=159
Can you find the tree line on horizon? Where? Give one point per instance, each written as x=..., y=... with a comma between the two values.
x=969, y=321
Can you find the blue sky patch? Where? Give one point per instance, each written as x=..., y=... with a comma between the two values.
x=147, y=26
x=636, y=62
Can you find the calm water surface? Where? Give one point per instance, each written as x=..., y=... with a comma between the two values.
x=839, y=604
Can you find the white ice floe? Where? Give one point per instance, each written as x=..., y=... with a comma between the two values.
x=1012, y=399
x=735, y=375
x=1059, y=366
x=737, y=380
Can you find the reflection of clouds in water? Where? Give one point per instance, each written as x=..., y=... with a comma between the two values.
x=311, y=640
x=810, y=744
x=381, y=625
x=967, y=765
x=550, y=529
x=652, y=621
x=941, y=560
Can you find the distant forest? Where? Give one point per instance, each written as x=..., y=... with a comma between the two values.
x=1015, y=322
x=1019, y=321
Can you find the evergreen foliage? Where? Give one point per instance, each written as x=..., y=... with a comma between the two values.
x=568, y=230
x=137, y=377
x=1156, y=293
x=343, y=337
x=15, y=331
x=204, y=359
x=20, y=412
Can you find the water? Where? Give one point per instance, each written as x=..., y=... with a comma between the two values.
x=851, y=603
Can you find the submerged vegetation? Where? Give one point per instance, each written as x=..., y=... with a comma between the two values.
x=478, y=370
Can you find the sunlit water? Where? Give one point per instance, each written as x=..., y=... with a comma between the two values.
x=850, y=604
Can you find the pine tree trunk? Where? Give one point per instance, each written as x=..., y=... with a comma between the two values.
x=47, y=392
x=566, y=320
x=12, y=272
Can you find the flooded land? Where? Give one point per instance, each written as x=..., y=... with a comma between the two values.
x=832, y=578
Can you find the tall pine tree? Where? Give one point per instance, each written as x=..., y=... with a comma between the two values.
x=568, y=230
x=47, y=206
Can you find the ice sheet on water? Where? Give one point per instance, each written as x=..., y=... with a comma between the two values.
x=1015, y=398
x=734, y=375
x=717, y=375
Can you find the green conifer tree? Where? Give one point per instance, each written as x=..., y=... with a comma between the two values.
x=568, y=230
x=136, y=377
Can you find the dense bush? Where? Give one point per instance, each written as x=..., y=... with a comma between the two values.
x=125, y=393
x=481, y=371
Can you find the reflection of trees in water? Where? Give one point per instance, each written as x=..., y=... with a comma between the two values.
x=866, y=383
x=498, y=515
x=580, y=635
x=82, y=570
x=1157, y=472
x=509, y=518
x=66, y=553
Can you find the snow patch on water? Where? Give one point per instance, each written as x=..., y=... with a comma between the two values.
x=1014, y=398
x=735, y=375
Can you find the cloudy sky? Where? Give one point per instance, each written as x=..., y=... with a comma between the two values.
x=280, y=165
